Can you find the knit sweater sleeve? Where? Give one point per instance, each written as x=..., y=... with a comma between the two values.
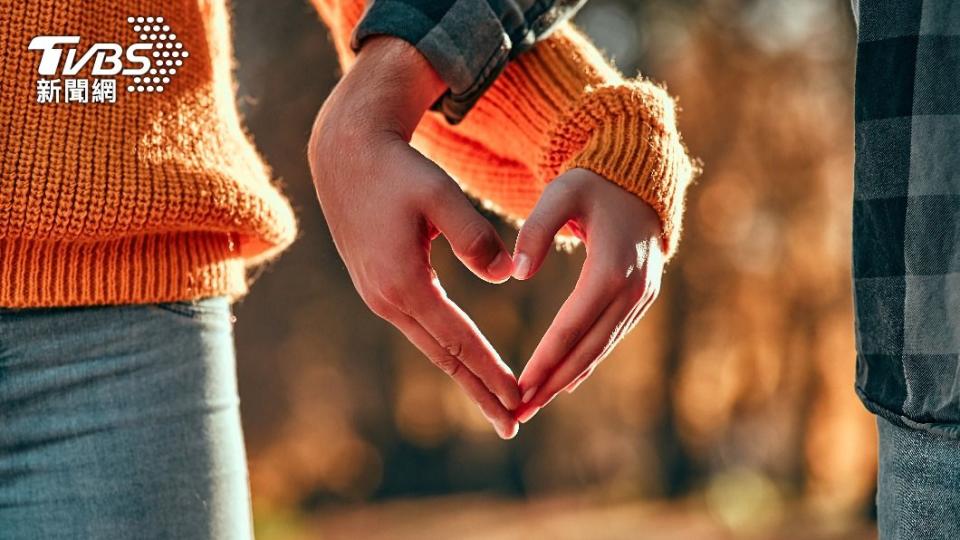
x=556, y=107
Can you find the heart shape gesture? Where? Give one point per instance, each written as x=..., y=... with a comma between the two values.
x=385, y=203
x=384, y=237
x=619, y=281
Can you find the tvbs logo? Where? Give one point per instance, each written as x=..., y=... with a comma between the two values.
x=148, y=64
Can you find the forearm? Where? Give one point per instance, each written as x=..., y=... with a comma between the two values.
x=387, y=91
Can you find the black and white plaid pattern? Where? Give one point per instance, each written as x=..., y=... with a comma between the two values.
x=906, y=213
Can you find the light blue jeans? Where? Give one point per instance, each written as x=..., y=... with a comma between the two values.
x=121, y=422
x=918, y=486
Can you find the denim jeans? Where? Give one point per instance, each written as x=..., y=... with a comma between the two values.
x=121, y=422
x=918, y=486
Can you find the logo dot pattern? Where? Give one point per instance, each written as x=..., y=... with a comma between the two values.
x=168, y=54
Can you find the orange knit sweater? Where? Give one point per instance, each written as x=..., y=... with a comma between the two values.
x=161, y=197
x=156, y=197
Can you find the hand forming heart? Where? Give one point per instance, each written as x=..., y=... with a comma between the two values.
x=619, y=281
x=385, y=203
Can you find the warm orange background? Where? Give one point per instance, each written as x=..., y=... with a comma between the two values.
x=728, y=413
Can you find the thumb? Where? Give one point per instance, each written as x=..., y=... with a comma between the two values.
x=555, y=207
x=473, y=239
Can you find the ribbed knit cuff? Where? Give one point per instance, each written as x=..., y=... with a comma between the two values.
x=131, y=270
x=627, y=134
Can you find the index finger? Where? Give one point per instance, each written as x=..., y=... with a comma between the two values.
x=489, y=404
x=590, y=297
x=459, y=337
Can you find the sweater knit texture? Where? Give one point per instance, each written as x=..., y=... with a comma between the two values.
x=157, y=197
x=162, y=197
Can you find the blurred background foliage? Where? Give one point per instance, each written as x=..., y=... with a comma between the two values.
x=728, y=413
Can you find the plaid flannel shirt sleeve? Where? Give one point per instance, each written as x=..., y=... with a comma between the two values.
x=468, y=42
x=907, y=212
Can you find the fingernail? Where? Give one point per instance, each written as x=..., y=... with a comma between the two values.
x=527, y=415
x=501, y=265
x=510, y=432
x=521, y=269
x=528, y=395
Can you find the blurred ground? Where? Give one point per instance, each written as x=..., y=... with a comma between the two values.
x=472, y=517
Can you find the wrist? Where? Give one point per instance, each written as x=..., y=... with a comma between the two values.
x=389, y=88
x=628, y=135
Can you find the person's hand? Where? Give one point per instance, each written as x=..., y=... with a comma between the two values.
x=619, y=280
x=384, y=203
